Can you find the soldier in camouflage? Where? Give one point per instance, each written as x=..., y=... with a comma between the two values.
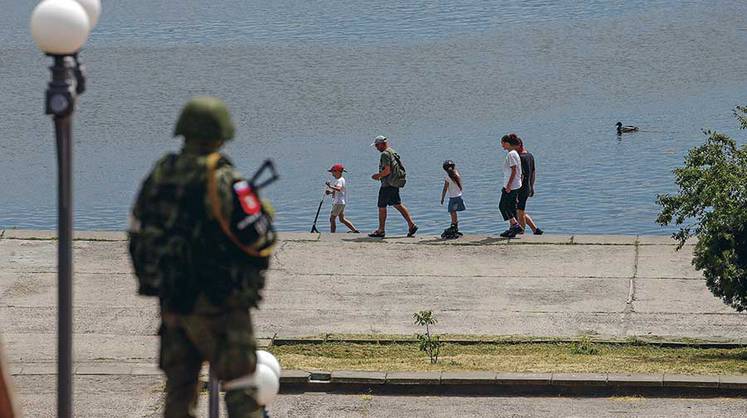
x=200, y=240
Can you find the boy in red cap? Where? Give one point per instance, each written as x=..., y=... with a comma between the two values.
x=338, y=192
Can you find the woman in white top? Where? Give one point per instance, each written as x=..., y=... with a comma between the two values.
x=511, y=184
x=452, y=186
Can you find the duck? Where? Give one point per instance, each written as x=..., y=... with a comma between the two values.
x=625, y=129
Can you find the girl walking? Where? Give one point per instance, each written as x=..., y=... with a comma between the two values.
x=452, y=186
x=511, y=184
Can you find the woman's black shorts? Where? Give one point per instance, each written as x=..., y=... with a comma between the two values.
x=522, y=197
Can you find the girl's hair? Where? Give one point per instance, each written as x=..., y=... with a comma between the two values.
x=450, y=169
x=521, y=146
x=511, y=139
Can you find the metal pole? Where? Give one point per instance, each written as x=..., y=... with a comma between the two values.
x=213, y=395
x=65, y=267
x=60, y=103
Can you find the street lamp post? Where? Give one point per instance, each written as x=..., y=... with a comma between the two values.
x=60, y=28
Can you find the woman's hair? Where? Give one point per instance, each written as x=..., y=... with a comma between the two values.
x=511, y=139
x=450, y=169
x=521, y=146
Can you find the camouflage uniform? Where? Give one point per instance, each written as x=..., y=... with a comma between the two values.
x=205, y=282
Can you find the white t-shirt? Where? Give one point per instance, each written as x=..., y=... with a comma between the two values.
x=339, y=197
x=453, y=190
x=512, y=160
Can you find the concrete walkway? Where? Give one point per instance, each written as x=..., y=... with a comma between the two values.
x=608, y=286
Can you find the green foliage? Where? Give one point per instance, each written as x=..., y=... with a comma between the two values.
x=427, y=342
x=584, y=346
x=636, y=342
x=741, y=114
x=712, y=204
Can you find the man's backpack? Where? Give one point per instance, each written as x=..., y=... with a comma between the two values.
x=398, y=176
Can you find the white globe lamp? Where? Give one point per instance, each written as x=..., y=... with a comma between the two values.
x=266, y=358
x=267, y=384
x=264, y=380
x=93, y=10
x=60, y=27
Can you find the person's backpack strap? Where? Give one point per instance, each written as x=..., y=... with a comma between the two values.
x=215, y=205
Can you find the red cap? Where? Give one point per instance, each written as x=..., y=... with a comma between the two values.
x=337, y=167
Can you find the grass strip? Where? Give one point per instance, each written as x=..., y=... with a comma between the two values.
x=681, y=342
x=579, y=357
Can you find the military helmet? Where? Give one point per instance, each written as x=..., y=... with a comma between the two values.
x=205, y=118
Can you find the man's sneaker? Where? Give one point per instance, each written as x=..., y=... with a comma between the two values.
x=516, y=229
x=538, y=231
x=412, y=231
x=512, y=231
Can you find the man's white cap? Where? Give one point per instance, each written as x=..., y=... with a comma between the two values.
x=379, y=140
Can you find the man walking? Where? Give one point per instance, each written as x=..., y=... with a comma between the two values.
x=200, y=240
x=392, y=176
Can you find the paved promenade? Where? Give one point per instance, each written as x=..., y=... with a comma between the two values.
x=607, y=286
x=549, y=286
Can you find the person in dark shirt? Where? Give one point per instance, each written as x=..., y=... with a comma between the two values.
x=527, y=189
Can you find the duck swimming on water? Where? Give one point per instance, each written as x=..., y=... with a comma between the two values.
x=625, y=129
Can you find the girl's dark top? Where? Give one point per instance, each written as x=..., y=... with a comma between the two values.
x=527, y=171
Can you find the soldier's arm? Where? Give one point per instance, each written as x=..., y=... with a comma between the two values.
x=140, y=201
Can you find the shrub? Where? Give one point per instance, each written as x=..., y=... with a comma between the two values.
x=712, y=204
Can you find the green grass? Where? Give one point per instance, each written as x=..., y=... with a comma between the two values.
x=583, y=357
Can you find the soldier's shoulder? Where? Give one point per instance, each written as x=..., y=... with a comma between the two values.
x=225, y=169
x=165, y=161
x=167, y=158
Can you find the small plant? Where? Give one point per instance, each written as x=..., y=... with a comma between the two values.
x=635, y=341
x=428, y=343
x=584, y=346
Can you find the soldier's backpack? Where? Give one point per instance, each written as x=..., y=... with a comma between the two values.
x=173, y=241
x=398, y=176
x=164, y=228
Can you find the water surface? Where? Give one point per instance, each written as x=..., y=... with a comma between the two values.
x=311, y=83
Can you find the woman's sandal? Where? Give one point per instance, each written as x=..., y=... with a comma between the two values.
x=377, y=234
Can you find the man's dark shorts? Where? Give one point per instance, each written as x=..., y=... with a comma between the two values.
x=389, y=196
x=521, y=197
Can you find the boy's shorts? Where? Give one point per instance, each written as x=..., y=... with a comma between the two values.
x=337, y=209
x=456, y=204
